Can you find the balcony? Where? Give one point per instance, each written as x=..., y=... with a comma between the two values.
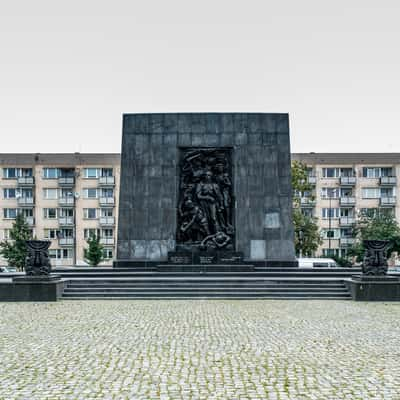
x=66, y=221
x=347, y=241
x=307, y=202
x=66, y=241
x=30, y=220
x=347, y=201
x=388, y=201
x=388, y=181
x=347, y=180
x=107, y=201
x=66, y=201
x=107, y=221
x=66, y=181
x=106, y=181
x=26, y=181
x=25, y=201
x=347, y=221
x=107, y=241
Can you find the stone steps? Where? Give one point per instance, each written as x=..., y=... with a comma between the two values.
x=173, y=287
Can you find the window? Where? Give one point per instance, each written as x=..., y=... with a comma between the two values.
x=335, y=233
x=377, y=172
x=388, y=192
x=65, y=193
x=347, y=172
x=330, y=172
x=106, y=212
x=66, y=233
x=90, y=213
x=91, y=173
x=50, y=194
x=90, y=193
x=66, y=212
x=330, y=252
x=107, y=193
x=10, y=213
x=107, y=253
x=370, y=193
x=50, y=173
x=26, y=212
x=346, y=233
x=330, y=212
x=6, y=234
x=51, y=233
x=13, y=173
x=66, y=172
x=346, y=192
x=327, y=192
x=10, y=193
x=308, y=212
x=25, y=172
x=107, y=233
x=346, y=212
x=106, y=172
x=10, y=173
x=89, y=232
x=50, y=213
x=60, y=253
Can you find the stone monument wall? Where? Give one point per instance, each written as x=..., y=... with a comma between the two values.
x=260, y=150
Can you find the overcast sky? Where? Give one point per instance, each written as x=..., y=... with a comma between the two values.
x=69, y=69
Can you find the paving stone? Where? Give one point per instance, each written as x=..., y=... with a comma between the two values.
x=287, y=350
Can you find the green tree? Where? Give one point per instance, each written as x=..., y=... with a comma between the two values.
x=94, y=253
x=14, y=250
x=307, y=237
x=381, y=226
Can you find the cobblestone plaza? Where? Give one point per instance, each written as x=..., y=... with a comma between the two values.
x=199, y=350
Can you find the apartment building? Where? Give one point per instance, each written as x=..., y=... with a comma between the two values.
x=346, y=185
x=65, y=198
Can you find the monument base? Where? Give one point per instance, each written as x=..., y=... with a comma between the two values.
x=374, y=288
x=32, y=288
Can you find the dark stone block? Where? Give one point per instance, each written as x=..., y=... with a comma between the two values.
x=142, y=124
x=26, y=288
x=213, y=124
x=180, y=258
x=374, y=288
x=170, y=123
x=150, y=178
x=207, y=257
x=185, y=139
x=230, y=257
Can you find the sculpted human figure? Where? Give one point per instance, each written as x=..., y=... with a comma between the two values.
x=219, y=240
x=194, y=225
x=210, y=200
x=225, y=186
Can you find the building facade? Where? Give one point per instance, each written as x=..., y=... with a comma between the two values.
x=345, y=186
x=67, y=197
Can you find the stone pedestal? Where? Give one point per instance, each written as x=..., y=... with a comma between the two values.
x=374, y=288
x=32, y=288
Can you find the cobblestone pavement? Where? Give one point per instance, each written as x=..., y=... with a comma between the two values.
x=200, y=350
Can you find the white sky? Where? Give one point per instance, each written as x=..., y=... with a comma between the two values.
x=69, y=69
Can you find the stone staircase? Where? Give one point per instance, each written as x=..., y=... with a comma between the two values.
x=264, y=284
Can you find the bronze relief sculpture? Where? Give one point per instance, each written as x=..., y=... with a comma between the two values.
x=205, y=205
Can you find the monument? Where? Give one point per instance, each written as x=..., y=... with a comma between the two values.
x=374, y=283
x=205, y=188
x=38, y=283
